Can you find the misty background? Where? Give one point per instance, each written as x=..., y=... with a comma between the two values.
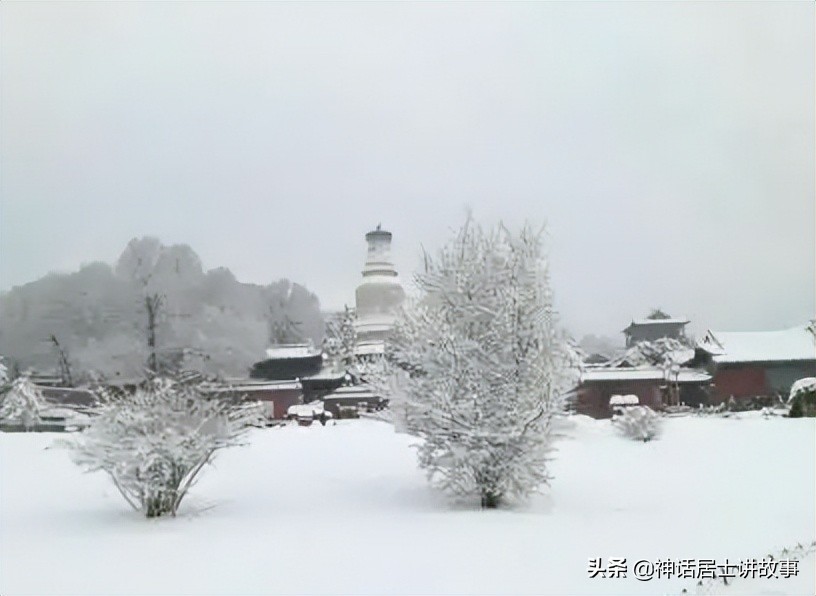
x=668, y=146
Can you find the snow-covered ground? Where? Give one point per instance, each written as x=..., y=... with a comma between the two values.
x=343, y=509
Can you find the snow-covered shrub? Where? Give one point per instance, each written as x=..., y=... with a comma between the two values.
x=475, y=366
x=803, y=398
x=718, y=410
x=640, y=423
x=153, y=443
x=21, y=403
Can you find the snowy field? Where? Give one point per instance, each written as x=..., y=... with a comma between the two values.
x=343, y=509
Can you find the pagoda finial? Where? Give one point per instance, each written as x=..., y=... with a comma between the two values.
x=379, y=225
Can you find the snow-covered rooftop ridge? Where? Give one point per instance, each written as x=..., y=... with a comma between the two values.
x=796, y=343
x=684, y=375
x=253, y=385
x=672, y=321
x=354, y=393
x=327, y=373
x=285, y=351
x=355, y=389
x=623, y=374
x=369, y=347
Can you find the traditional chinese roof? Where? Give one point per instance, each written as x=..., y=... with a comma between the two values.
x=655, y=322
x=288, y=362
x=796, y=343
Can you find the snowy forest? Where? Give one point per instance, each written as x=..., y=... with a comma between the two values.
x=97, y=315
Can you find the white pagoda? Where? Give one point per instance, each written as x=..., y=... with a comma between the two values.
x=379, y=296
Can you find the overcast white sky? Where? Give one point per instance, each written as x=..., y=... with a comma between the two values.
x=670, y=146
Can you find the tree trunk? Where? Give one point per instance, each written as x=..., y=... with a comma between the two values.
x=490, y=500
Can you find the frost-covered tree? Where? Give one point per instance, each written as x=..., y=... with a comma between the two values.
x=4, y=374
x=640, y=423
x=99, y=314
x=21, y=402
x=475, y=366
x=341, y=339
x=154, y=443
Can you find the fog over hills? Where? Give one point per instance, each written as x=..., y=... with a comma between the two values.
x=98, y=314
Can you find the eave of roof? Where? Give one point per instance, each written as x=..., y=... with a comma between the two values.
x=655, y=322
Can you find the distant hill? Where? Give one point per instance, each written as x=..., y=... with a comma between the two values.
x=98, y=314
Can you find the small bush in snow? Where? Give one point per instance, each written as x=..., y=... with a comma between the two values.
x=718, y=410
x=803, y=398
x=803, y=406
x=640, y=423
x=21, y=403
x=154, y=442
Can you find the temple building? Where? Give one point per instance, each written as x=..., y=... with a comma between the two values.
x=657, y=325
x=379, y=296
x=298, y=373
x=749, y=364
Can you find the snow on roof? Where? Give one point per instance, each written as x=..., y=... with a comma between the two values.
x=258, y=386
x=62, y=413
x=351, y=393
x=687, y=375
x=623, y=374
x=796, y=343
x=352, y=389
x=642, y=322
x=684, y=375
x=68, y=395
x=369, y=347
x=624, y=400
x=292, y=351
x=327, y=373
